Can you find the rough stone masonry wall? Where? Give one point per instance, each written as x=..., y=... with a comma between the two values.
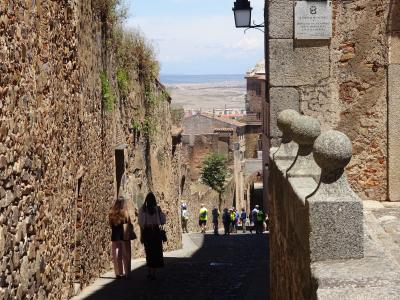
x=199, y=146
x=342, y=82
x=152, y=166
x=252, y=138
x=54, y=138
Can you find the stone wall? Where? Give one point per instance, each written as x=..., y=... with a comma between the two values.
x=252, y=138
x=197, y=147
x=314, y=214
x=255, y=94
x=342, y=82
x=57, y=150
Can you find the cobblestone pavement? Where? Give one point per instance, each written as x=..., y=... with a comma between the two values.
x=223, y=267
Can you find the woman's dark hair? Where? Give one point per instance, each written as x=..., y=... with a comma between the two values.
x=150, y=204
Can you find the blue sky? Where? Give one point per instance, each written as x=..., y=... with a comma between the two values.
x=198, y=36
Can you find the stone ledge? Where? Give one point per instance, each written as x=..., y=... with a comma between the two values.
x=303, y=186
x=389, y=293
x=376, y=276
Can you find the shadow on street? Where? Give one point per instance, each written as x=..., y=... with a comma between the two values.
x=225, y=267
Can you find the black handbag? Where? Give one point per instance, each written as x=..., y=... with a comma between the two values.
x=128, y=232
x=163, y=234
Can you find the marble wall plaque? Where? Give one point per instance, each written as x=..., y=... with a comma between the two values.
x=313, y=20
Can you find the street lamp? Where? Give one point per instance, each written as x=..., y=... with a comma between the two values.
x=242, y=12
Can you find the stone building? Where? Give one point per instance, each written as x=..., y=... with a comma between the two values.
x=348, y=82
x=64, y=157
x=255, y=97
x=206, y=133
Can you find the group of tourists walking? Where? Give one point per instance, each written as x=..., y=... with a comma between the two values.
x=151, y=219
x=232, y=219
x=259, y=219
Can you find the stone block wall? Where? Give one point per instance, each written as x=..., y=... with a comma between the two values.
x=342, y=82
x=57, y=150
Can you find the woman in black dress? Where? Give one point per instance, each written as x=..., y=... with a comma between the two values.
x=121, y=249
x=150, y=219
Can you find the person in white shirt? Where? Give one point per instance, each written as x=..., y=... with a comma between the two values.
x=151, y=218
x=185, y=219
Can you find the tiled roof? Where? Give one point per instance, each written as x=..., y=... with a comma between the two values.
x=225, y=120
x=223, y=130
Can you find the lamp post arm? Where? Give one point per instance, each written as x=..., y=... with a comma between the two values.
x=256, y=26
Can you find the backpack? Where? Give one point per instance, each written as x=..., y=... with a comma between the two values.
x=260, y=215
x=226, y=218
x=254, y=215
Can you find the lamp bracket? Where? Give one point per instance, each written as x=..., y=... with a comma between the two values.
x=256, y=26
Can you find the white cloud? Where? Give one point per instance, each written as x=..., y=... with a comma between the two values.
x=249, y=43
x=201, y=38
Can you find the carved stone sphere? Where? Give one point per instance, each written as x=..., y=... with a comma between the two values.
x=285, y=120
x=332, y=150
x=305, y=130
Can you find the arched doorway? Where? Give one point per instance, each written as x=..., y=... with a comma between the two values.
x=394, y=102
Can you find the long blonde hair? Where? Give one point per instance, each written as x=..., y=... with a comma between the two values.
x=119, y=212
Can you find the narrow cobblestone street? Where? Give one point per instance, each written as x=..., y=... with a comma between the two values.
x=209, y=267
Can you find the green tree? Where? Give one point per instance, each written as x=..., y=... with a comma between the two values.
x=214, y=172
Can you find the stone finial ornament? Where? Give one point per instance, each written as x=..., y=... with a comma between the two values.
x=287, y=148
x=336, y=212
x=332, y=152
x=285, y=120
x=305, y=131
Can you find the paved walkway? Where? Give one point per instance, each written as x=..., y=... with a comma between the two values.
x=208, y=267
x=377, y=275
x=383, y=218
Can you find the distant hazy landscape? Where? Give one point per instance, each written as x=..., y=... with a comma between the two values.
x=206, y=91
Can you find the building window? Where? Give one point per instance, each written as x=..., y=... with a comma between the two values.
x=255, y=86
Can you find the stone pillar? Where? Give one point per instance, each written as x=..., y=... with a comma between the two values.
x=394, y=130
x=288, y=148
x=305, y=131
x=336, y=212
